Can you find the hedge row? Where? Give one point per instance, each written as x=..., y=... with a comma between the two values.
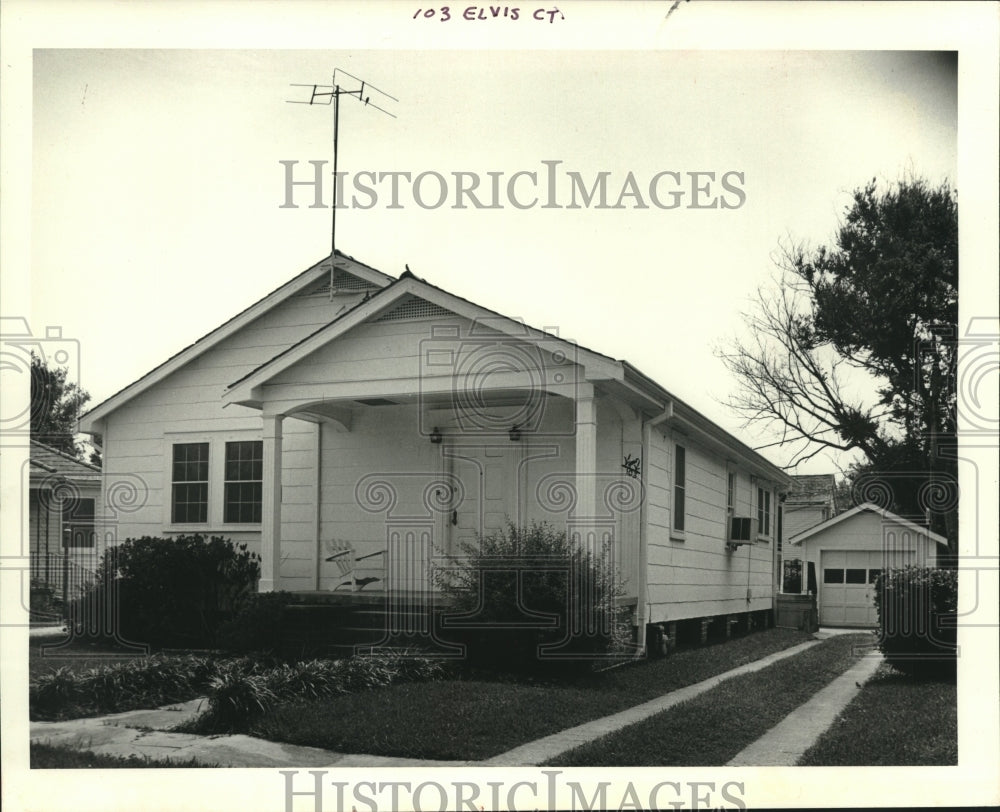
x=917, y=614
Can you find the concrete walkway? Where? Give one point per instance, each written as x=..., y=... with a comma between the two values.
x=784, y=744
x=147, y=732
x=541, y=750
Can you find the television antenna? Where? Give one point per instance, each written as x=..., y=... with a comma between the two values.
x=343, y=84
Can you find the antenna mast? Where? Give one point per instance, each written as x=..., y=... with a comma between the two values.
x=330, y=95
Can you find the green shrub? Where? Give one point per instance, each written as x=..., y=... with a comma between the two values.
x=256, y=625
x=917, y=609
x=145, y=682
x=166, y=592
x=528, y=600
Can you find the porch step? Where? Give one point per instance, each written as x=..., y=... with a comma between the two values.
x=338, y=629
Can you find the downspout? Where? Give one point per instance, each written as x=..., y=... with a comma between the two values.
x=779, y=551
x=642, y=609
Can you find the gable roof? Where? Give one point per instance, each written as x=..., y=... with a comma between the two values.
x=45, y=459
x=383, y=301
x=868, y=507
x=89, y=421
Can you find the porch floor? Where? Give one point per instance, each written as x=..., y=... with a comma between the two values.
x=370, y=597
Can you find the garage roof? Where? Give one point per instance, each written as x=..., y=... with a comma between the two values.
x=873, y=508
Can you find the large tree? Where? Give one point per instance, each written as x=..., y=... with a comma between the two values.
x=55, y=407
x=854, y=348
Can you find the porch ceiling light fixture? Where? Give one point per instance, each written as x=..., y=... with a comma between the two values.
x=436, y=436
x=514, y=434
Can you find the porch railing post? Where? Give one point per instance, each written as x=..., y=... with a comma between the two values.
x=65, y=576
x=270, y=527
x=586, y=460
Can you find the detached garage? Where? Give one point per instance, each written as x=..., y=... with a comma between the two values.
x=842, y=557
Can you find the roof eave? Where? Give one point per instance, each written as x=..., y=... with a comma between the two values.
x=687, y=416
x=822, y=527
x=246, y=390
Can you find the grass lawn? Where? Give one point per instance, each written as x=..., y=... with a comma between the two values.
x=710, y=729
x=476, y=719
x=894, y=721
x=53, y=757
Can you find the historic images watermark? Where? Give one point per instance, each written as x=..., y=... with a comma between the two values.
x=547, y=187
x=553, y=792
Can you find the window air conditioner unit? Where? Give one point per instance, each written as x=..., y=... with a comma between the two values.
x=742, y=530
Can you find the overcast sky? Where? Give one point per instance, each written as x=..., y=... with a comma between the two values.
x=157, y=187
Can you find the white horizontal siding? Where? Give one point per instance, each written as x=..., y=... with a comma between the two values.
x=694, y=575
x=137, y=436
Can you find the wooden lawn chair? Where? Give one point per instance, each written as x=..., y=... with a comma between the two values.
x=341, y=554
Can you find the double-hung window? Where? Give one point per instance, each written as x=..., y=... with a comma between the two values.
x=78, y=522
x=244, y=478
x=763, y=512
x=680, y=482
x=216, y=481
x=189, y=499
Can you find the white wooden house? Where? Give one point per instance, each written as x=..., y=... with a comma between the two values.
x=842, y=557
x=404, y=419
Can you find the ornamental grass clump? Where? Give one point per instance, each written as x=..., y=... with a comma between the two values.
x=243, y=690
x=238, y=693
x=145, y=682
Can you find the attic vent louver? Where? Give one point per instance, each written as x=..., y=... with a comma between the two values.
x=343, y=282
x=415, y=309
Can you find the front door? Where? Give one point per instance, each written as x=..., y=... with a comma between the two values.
x=489, y=479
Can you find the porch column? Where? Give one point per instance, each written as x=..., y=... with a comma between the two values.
x=586, y=461
x=270, y=518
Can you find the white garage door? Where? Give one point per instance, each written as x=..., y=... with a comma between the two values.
x=847, y=585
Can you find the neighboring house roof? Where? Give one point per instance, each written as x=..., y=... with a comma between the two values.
x=295, y=285
x=870, y=508
x=51, y=462
x=812, y=489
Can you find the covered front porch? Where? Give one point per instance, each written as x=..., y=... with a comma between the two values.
x=394, y=486
x=408, y=428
